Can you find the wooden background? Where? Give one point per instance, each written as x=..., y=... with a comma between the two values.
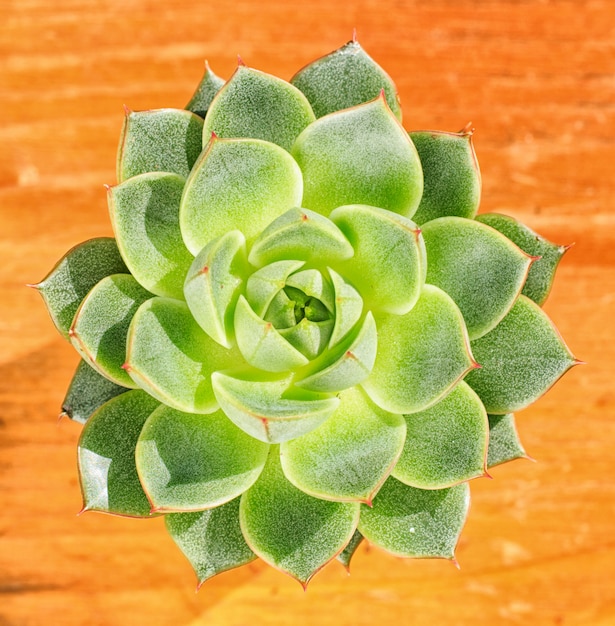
x=537, y=78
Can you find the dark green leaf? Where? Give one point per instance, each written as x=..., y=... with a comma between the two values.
x=504, y=444
x=205, y=92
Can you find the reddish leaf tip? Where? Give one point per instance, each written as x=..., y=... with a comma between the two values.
x=240, y=62
x=455, y=562
x=126, y=367
x=467, y=130
x=127, y=110
x=476, y=366
x=529, y=458
x=579, y=362
x=354, y=35
x=62, y=415
x=33, y=286
x=207, y=69
x=567, y=247
x=486, y=474
x=107, y=187
x=83, y=510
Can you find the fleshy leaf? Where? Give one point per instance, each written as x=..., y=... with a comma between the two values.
x=172, y=358
x=69, y=282
x=478, y=267
x=349, y=456
x=348, y=308
x=504, y=444
x=290, y=530
x=352, y=367
x=359, y=156
x=542, y=272
x=447, y=443
x=261, y=344
x=310, y=338
x=344, y=78
x=205, y=92
x=421, y=355
x=212, y=284
x=389, y=263
x=211, y=540
x=87, y=392
x=237, y=184
x=144, y=213
x=100, y=326
x=345, y=556
x=267, y=410
x=300, y=234
x=106, y=454
x=521, y=358
x=417, y=523
x=313, y=284
x=281, y=312
x=265, y=283
x=452, y=182
x=260, y=106
x=189, y=462
x=160, y=140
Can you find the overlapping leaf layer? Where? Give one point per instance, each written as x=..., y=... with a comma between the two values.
x=276, y=356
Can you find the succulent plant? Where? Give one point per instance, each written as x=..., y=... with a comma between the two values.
x=301, y=335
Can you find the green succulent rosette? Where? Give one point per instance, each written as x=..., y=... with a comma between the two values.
x=301, y=335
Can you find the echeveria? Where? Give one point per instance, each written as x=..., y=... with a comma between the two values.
x=276, y=357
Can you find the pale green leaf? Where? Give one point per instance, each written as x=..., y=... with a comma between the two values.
x=421, y=355
x=106, y=455
x=349, y=456
x=310, y=338
x=172, y=358
x=189, y=462
x=348, y=308
x=237, y=184
x=447, y=443
x=504, y=444
x=290, y=530
x=417, y=523
x=265, y=283
x=521, y=358
x=314, y=285
x=389, y=263
x=205, y=92
x=478, y=267
x=359, y=156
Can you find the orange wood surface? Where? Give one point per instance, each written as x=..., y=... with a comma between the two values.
x=537, y=78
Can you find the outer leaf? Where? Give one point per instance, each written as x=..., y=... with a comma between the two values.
x=359, y=156
x=301, y=234
x=290, y=530
x=213, y=282
x=188, y=462
x=170, y=356
x=389, y=263
x=414, y=522
x=447, y=443
x=211, y=540
x=349, y=456
x=421, y=355
x=267, y=410
x=106, y=454
x=82, y=267
x=265, y=283
x=87, y=392
x=504, y=444
x=452, y=183
x=542, y=273
x=521, y=358
x=99, y=329
x=145, y=217
x=261, y=344
x=258, y=105
x=161, y=140
x=206, y=90
x=238, y=184
x=348, y=552
x=352, y=367
x=344, y=78
x=479, y=268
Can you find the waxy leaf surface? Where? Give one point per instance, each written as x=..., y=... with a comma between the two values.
x=106, y=454
x=421, y=355
x=478, y=267
x=447, y=443
x=100, y=326
x=144, y=213
x=359, y=156
x=188, y=462
x=69, y=282
x=345, y=556
x=349, y=456
x=504, y=444
x=237, y=184
x=521, y=358
x=418, y=523
x=172, y=358
x=348, y=308
x=290, y=530
x=265, y=283
x=205, y=92
x=211, y=540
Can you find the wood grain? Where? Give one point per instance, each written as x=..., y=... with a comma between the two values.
x=537, y=78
